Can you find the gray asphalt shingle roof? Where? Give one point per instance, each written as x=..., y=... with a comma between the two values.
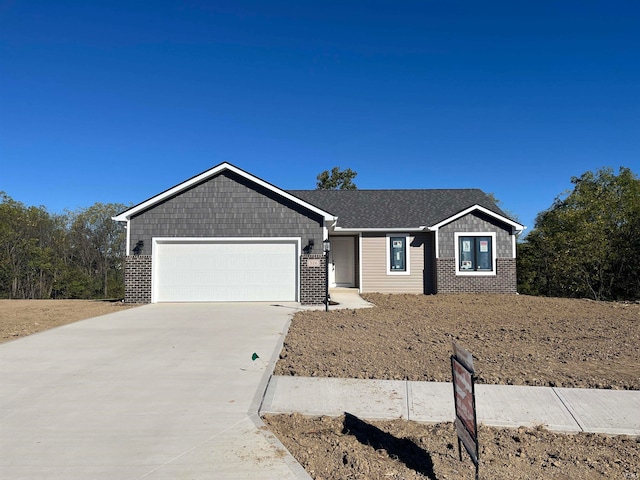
x=395, y=208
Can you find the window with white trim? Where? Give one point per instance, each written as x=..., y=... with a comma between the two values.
x=397, y=254
x=475, y=253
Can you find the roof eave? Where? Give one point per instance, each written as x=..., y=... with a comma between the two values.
x=518, y=228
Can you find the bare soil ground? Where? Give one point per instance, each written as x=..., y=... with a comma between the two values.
x=515, y=340
x=19, y=318
x=347, y=448
x=518, y=340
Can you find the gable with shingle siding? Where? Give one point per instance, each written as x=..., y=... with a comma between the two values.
x=226, y=205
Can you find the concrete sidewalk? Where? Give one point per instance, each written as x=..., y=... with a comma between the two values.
x=342, y=298
x=613, y=412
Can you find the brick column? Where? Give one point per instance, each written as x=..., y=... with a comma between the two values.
x=137, y=279
x=312, y=279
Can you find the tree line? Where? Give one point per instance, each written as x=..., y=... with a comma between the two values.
x=77, y=254
x=586, y=245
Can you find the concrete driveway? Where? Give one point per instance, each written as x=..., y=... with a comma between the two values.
x=165, y=391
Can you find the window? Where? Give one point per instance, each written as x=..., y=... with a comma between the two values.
x=397, y=255
x=475, y=253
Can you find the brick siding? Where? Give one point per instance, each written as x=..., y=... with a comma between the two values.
x=137, y=279
x=312, y=279
x=503, y=282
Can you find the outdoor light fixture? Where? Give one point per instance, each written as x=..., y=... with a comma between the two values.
x=138, y=248
x=326, y=248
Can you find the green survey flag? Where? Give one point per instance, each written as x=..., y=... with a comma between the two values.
x=254, y=356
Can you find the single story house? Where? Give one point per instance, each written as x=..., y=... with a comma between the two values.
x=227, y=235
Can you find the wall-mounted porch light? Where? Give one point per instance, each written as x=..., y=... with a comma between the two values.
x=138, y=248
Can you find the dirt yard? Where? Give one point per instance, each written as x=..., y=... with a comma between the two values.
x=19, y=318
x=349, y=448
x=515, y=340
x=519, y=340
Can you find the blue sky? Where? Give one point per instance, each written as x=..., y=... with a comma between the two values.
x=117, y=101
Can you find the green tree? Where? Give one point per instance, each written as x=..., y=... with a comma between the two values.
x=336, y=179
x=30, y=249
x=96, y=246
x=76, y=255
x=588, y=243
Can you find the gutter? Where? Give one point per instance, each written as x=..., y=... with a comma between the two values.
x=399, y=229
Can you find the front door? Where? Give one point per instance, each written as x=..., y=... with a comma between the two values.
x=342, y=265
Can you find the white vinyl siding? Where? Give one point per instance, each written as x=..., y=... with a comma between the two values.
x=375, y=277
x=193, y=270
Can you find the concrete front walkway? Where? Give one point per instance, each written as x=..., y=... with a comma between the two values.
x=567, y=410
x=161, y=391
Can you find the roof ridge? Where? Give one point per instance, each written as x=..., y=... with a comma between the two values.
x=385, y=190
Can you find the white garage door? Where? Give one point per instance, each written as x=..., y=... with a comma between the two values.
x=225, y=271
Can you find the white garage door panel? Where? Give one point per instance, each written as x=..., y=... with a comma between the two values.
x=231, y=271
